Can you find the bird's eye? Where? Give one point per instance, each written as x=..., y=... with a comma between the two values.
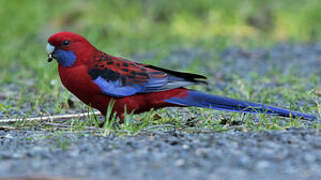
x=66, y=42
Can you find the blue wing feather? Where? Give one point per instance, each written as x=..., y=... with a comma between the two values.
x=115, y=88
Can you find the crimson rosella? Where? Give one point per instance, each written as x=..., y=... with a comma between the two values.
x=96, y=78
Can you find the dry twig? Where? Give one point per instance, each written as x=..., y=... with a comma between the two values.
x=50, y=118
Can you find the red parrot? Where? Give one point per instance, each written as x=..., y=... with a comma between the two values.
x=96, y=78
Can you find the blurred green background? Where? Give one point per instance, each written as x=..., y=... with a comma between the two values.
x=124, y=27
x=129, y=27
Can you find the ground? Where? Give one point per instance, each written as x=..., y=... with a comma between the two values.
x=189, y=143
x=289, y=154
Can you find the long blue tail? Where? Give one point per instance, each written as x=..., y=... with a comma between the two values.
x=199, y=99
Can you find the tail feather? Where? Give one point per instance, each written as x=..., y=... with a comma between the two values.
x=198, y=99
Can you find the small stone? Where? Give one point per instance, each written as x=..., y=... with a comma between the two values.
x=9, y=136
x=185, y=146
x=262, y=164
x=201, y=152
x=180, y=162
x=309, y=157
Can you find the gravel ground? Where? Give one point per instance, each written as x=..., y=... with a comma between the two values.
x=287, y=154
x=291, y=154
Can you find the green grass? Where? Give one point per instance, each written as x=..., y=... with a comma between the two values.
x=129, y=27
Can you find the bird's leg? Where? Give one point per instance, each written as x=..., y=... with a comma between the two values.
x=119, y=118
x=101, y=124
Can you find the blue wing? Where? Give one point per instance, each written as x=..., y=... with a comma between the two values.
x=119, y=89
x=120, y=78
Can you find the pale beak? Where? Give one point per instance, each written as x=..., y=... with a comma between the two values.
x=50, y=50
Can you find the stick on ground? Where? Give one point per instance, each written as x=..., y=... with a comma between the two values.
x=50, y=118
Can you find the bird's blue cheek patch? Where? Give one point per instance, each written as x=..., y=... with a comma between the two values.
x=65, y=58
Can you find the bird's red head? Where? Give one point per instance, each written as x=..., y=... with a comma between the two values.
x=69, y=48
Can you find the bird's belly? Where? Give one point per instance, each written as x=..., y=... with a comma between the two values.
x=77, y=81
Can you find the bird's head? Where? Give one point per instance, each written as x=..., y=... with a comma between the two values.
x=67, y=47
